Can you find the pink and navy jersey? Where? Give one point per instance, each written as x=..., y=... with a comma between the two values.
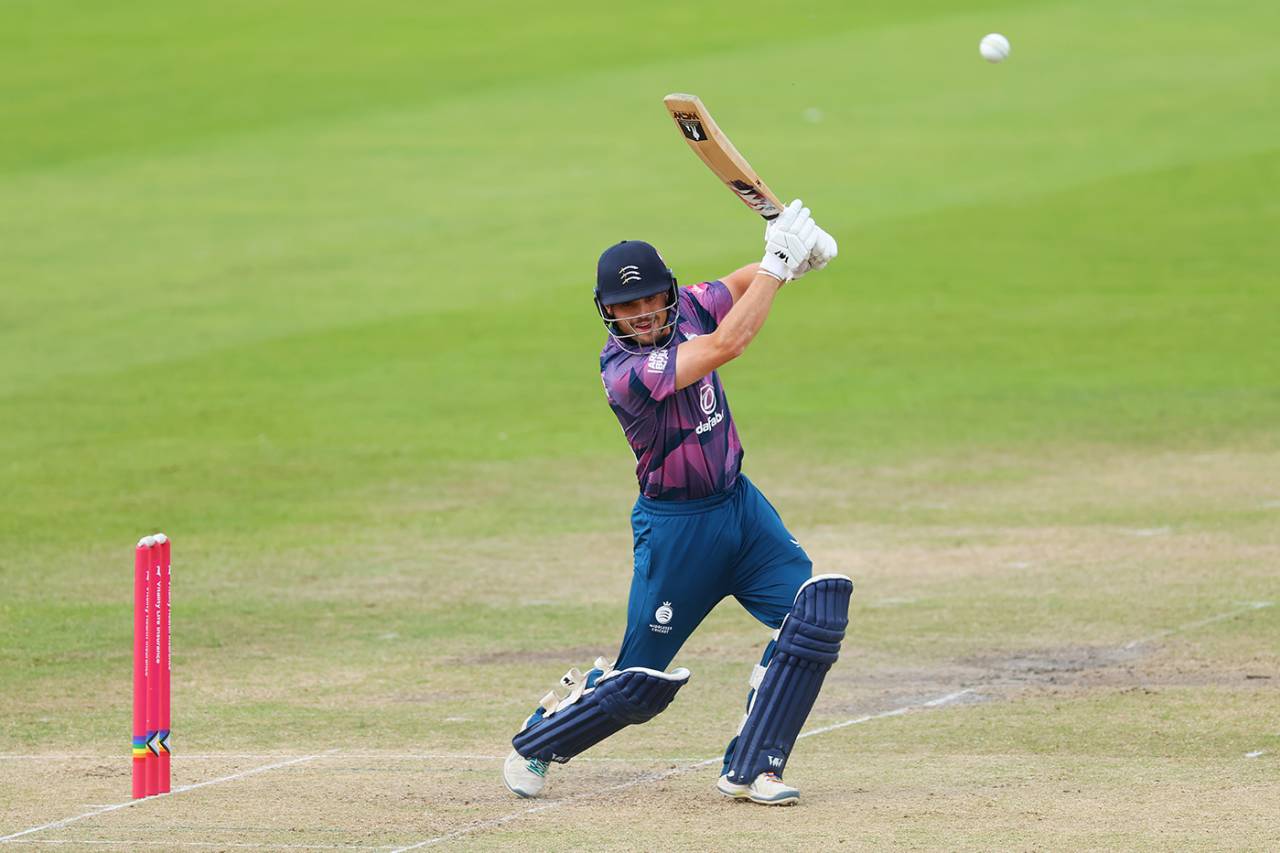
x=685, y=443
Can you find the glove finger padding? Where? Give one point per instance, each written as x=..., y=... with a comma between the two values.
x=802, y=243
x=788, y=215
x=788, y=243
x=824, y=250
x=808, y=233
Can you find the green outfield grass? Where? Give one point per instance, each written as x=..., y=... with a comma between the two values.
x=307, y=286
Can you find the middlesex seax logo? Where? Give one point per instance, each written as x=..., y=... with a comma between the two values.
x=663, y=615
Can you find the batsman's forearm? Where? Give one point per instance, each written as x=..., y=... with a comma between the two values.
x=744, y=320
x=740, y=279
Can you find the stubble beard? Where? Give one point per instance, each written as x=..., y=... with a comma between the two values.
x=650, y=336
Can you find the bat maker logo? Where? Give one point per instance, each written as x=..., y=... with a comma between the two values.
x=690, y=126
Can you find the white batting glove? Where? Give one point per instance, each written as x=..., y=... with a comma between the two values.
x=788, y=242
x=824, y=251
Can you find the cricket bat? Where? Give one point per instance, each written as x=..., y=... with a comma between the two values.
x=714, y=148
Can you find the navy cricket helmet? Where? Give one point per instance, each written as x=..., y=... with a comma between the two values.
x=629, y=270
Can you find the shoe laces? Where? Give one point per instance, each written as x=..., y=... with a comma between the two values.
x=538, y=766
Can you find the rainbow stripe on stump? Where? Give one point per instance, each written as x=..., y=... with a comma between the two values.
x=151, y=666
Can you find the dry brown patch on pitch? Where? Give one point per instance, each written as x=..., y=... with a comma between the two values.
x=1085, y=484
x=897, y=558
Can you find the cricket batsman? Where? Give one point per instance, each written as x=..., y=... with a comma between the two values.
x=702, y=530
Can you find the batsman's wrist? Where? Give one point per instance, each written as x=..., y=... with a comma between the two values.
x=772, y=265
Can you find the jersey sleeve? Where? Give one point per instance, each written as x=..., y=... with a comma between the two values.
x=712, y=301
x=636, y=382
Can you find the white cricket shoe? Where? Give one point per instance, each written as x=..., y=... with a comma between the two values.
x=524, y=777
x=767, y=790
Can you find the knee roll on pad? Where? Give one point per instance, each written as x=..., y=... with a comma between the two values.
x=619, y=699
x=808, y=644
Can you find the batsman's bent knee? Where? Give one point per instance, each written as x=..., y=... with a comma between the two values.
x=808, y=644
x=618, y=699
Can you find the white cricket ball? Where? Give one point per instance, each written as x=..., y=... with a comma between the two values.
x=994, y=47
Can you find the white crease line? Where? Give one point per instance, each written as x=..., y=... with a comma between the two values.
x=1252, y=606
x=1149, y=531
x=932, y=703
x=666, y=774
x=181, y=789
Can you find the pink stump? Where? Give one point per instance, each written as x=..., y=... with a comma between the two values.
x=166, y=567
x=140, y=561
x=153, y=668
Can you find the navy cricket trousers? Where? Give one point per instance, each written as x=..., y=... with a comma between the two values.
x=691, y=554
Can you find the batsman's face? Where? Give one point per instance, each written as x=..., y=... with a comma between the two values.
x=643, y=318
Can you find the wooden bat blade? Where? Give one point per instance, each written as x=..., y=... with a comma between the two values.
x=706, y=139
